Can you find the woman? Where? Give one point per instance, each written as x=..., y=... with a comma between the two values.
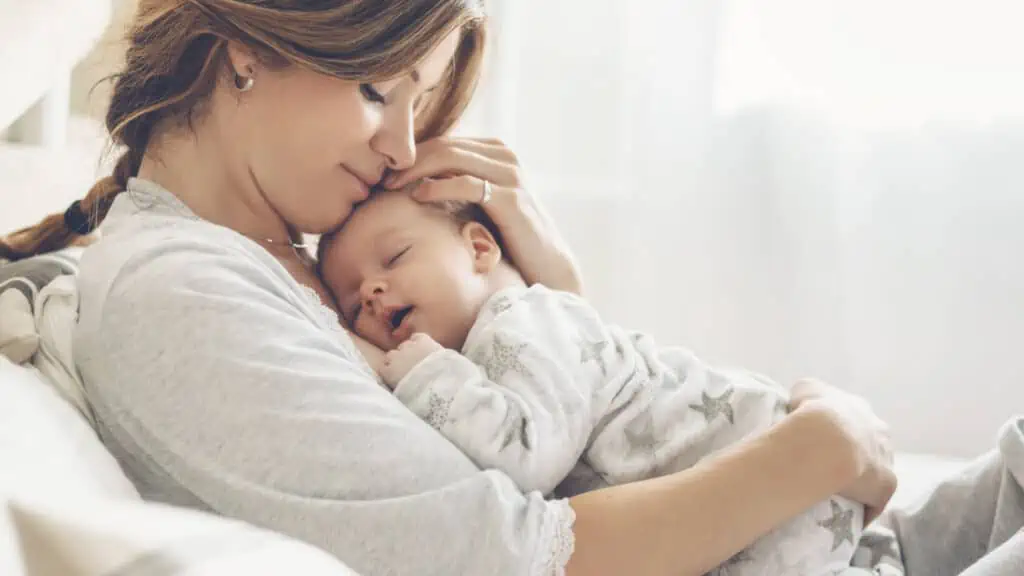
x=221, y=381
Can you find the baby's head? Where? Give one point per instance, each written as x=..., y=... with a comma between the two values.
x=399, y=266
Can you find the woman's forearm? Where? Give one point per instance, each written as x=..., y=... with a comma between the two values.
x=690, y=522
x=541, y=254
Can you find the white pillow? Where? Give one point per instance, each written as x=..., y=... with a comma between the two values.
x=125, y=538
x=18, y=338
x=46, y=446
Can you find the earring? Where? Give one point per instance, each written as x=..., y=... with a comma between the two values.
x=244, y=83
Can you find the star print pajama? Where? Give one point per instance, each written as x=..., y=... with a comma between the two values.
x=543, y=385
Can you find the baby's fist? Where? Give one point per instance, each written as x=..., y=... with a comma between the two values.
x=398, y=362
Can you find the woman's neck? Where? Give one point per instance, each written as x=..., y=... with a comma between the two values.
x=194, y=166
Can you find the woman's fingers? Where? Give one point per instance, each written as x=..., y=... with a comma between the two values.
x=807, y=389
x=459, y=188
x=869, y=433
x=489, y=147
x=447, y=157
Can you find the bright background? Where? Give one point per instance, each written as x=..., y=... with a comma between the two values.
x=832, y=188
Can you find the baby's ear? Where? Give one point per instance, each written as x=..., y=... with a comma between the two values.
x=484, y=248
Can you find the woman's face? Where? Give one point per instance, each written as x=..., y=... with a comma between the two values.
x=313, y=145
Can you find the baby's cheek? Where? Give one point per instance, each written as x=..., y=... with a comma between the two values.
x=377, y=336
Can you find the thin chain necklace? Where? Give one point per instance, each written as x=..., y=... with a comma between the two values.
x=154, y=190
x=273, y=242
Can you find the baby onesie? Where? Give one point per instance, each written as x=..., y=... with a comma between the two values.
x=543, y=383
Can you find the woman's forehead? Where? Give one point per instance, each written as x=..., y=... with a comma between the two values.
x=430, y=71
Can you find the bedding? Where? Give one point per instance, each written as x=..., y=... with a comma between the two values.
x=45, y=444
x=20, y=284
x=38, y=309
x=971, y=525
x=99, y=537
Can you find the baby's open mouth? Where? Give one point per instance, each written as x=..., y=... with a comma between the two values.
x=398, y=316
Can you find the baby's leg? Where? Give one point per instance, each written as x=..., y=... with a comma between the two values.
x=821, y=541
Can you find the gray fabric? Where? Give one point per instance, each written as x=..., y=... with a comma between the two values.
x=971, y=524
x=222, y=384
x=33, y=274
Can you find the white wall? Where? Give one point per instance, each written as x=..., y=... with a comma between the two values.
x=90, y=96
x=888, y=264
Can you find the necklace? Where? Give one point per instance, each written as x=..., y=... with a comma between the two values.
x=157, y=195
x=290, y=244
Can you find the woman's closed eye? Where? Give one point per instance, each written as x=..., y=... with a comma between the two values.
x=371, y=93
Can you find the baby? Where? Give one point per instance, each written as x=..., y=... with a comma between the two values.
x=542, y=385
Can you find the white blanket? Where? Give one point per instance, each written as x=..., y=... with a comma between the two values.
x=38, y=311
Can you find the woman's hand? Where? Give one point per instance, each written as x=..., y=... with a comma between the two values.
x=465, y=164
x=868, y=434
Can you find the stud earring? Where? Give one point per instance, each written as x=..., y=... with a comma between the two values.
x=244, y=83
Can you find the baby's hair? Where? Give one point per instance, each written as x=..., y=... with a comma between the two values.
x=466, y=212
x=461, y=213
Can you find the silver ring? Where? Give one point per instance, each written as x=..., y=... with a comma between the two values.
x=486, y=196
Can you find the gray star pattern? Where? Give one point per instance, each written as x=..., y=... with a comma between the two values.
x=620, y=350
x=515, y=429
x=712, y=406
x=592, y=351
x=880, y=545
x=437, y=411
x=504, y=357
x=501, y=304
x=840, y=524
x=640, y=434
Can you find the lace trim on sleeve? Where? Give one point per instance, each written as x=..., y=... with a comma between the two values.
x=557, y=541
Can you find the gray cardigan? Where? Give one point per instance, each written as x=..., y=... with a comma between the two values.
x=221, y=383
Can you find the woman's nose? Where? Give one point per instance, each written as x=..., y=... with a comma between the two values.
x=397, y=142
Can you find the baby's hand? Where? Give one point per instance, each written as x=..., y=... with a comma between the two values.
x=398, y=362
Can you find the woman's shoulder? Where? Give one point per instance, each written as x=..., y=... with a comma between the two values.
x=159, y=251
x=157, y=266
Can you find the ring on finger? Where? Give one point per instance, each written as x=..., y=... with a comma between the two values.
x=485, y=196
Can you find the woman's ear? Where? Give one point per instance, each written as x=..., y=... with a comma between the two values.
x=242, y=60
x=483, y=247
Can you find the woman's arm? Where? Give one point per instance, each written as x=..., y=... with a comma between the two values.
x=690, y=522
x=223, y=393
x=530, y=235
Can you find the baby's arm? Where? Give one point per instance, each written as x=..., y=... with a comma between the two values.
x=524, y=410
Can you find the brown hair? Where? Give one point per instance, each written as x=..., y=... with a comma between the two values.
x=177, y=53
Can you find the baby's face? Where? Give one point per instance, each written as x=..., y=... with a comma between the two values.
x=398, y=267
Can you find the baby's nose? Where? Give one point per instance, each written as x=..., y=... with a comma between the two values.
x=372, y=293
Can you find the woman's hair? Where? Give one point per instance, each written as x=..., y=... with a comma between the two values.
x=177, y=52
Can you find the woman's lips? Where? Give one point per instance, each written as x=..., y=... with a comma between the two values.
x=361, y=186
